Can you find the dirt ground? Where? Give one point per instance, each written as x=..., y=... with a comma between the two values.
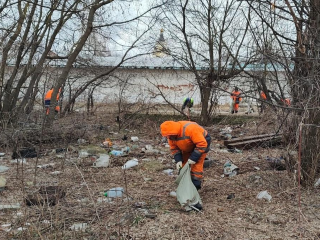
x=147, y=211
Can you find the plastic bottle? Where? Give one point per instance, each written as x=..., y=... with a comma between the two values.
x=131, y=163
x=116, y=153
x=125, y=149
x=168, y=171
x=134, y=139
x=227, y=164
x=233, y=173
x=264, y=195
x=83, y=154
x=114, y=192
x=230, y=169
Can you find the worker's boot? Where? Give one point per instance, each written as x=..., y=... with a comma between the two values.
x=236, y=111
x=197, y=207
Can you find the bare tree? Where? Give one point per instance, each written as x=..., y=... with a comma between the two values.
x=300, y=57
x=209, y=41
x=29, y=40
x=24, y=54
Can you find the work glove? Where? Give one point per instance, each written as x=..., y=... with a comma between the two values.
x=191, y=161
x=179, y=165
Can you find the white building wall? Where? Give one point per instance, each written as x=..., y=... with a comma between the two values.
x=144, y=85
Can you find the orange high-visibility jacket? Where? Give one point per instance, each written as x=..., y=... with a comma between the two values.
x=286, y=101
x=191, y=138
x=49, y=94
x=236, y=95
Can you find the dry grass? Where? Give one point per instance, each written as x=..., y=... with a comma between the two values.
x=148, y=188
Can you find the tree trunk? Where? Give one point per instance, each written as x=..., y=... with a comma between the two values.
x=205, y=97
x=38, y=68
x=310, y=153
x=90, y=102
x=305, y=93
x=7, y=47
x=72, y=57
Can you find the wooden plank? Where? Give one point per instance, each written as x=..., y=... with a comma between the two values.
x=247, y=138
x=255, y=142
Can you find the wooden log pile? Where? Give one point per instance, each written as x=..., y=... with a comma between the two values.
x=248, y=142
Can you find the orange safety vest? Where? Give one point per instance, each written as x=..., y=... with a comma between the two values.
x=49, y=94
x=235, y=96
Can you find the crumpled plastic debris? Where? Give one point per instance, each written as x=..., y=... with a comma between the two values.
x=107, y=143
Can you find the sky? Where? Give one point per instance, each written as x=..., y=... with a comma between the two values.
x=118, y=37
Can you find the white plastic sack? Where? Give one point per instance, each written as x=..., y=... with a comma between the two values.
x=264, y=195
x=187, y=194
x=102, y=161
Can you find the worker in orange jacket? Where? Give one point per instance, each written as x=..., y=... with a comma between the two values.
x=236, y=99
x=263, y=97
x=47, y=101
x=189, y=142
x=286, y=101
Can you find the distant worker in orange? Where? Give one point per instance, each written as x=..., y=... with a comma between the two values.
x=236, y=99
x=286, y=101
x=263, y=97
x=47, y=101
x=189, y=143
